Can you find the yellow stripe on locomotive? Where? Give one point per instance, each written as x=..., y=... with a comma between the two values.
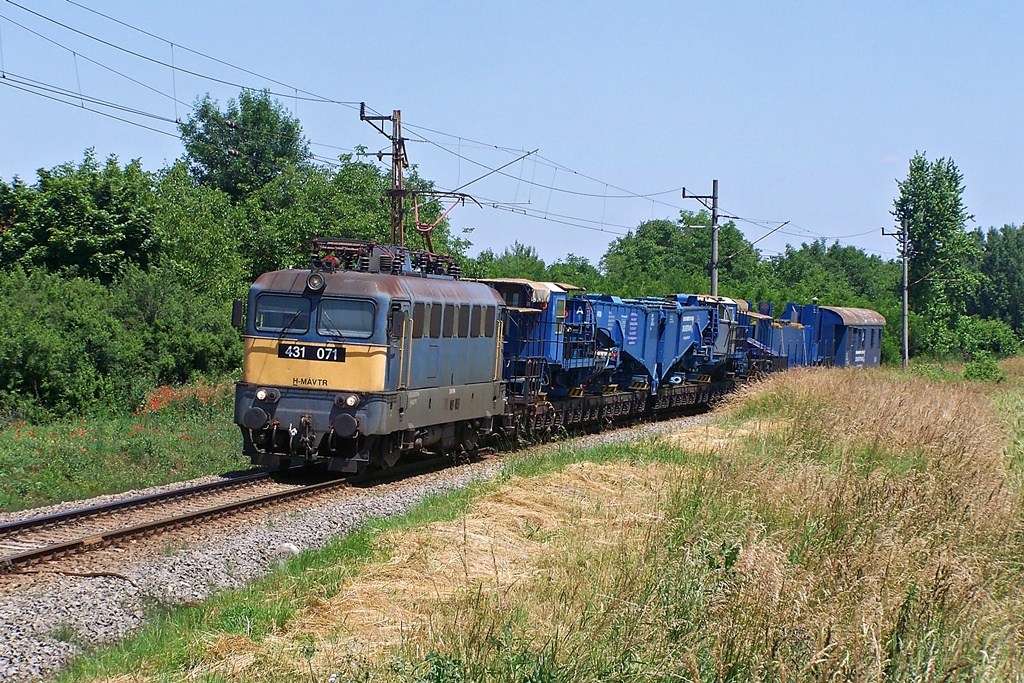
x=364, y=367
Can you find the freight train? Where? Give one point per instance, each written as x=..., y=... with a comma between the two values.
x=378, y=351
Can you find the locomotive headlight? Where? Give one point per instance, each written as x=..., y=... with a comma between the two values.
x=315, y=282
x=268, y=395
x=346, y=400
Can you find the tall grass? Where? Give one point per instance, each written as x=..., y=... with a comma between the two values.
x=832, y=525
x=855, y=527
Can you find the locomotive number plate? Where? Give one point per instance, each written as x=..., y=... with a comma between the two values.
x=311, y=352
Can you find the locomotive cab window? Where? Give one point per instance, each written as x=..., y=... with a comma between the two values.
x=463, y=321
x=276, y=313
x=347, y=318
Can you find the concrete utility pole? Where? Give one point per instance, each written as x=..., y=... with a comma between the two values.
x=904, y=239
x=714, y=229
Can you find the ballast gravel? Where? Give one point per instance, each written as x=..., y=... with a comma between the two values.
x=48, y=617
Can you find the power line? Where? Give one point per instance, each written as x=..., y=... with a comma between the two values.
x=57, y=90
x=314, y=98
x=10, y=84
x=552, y=188
x=93, y=61
x=551, y=164
x=538, y=216
x=628, y=194
x=47, y=87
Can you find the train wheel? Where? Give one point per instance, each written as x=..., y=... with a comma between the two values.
x=385, y=452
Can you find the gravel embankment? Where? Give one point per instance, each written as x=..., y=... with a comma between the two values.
x=46, y=617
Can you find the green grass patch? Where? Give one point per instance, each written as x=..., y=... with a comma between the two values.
x=1010, y=405
x=181, y=433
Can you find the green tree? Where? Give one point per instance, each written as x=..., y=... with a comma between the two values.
x=838, y=275
x=576, y=270
x=244, y=147
x=277, y=221
x=944, y=265
x=1002, y=281
x=519, y=260
x=663, y=257
x=86, y=220
x=201, y=243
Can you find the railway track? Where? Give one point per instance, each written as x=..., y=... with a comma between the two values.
x=45, y=538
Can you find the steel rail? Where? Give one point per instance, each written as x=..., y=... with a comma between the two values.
x=135, y=502
x=97, y=540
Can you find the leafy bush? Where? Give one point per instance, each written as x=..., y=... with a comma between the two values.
x=984, y=368
x=73, y=345
x=989, y=336
x=85, y=220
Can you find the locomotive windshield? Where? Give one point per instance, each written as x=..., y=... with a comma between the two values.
x=275, y=313
x=346, y=318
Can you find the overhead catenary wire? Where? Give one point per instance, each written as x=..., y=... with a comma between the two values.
x=214, y=59
x=8, y=83
x=550, y=163
x=155, y=90
x=556, y=165
x=159, y=62
x=2, y=68
x=37, y=87
x=172, y=97
x=552, y=188
x=90, y=60
x=64, y=92
x=538, y=160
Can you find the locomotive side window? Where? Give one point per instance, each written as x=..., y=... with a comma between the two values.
x=463, y=321
x=489, y=325
x=449, y=320
x=418, y=317
x=435, y=320
x=282, y=314
x=346, y=318
x=476, y=321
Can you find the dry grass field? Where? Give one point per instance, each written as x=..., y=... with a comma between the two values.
x=828, y=525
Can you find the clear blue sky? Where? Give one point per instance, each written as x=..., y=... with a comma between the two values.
x=804, y=111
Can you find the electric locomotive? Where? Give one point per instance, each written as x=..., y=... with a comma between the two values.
x=373, y=352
